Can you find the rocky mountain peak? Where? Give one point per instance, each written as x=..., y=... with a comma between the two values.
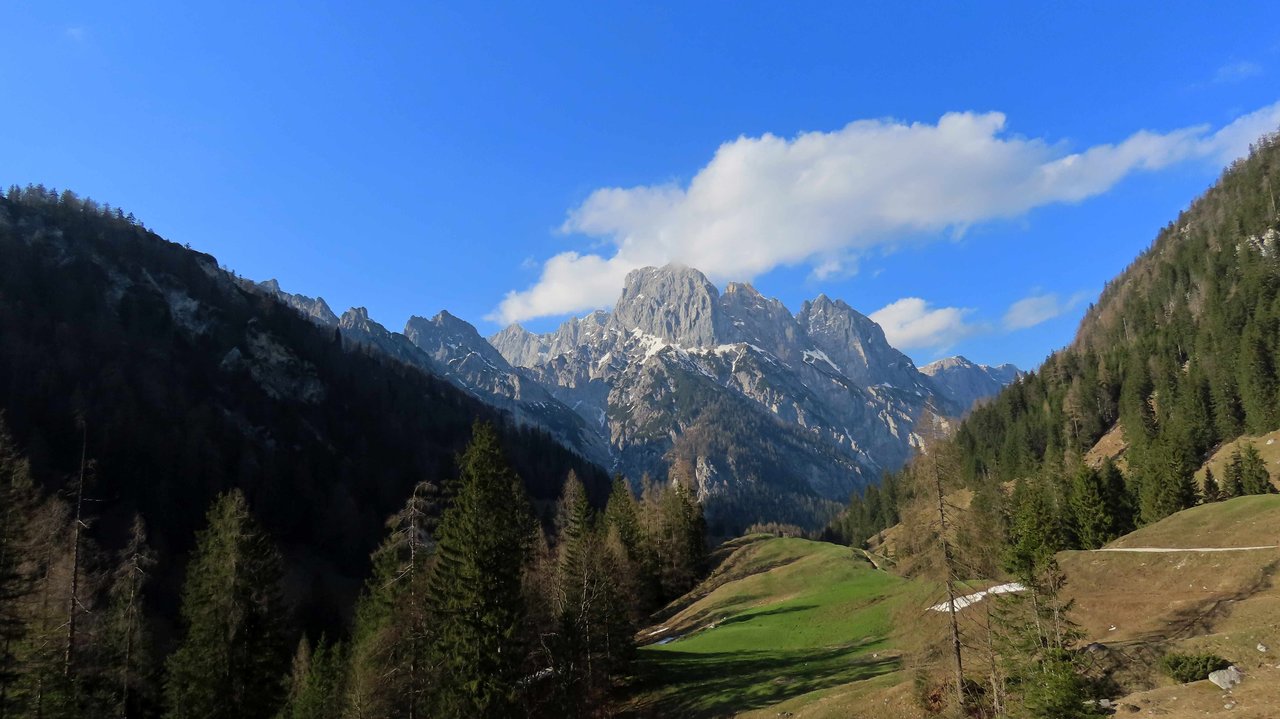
x=946, y=364
x=355, y=317
x=855, y=343
x=446, y=337
x=313, y=308
x=521, y=347
x=750, y=317
x=965, y=383
x=675, y=303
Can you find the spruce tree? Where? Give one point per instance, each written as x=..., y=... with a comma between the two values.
x=1211, y=491
x=475, y=584
x=233, y=653
x=1167, y=480
x=316, y=682
x=18, y=499
x=1254, y=478
x=390, y=658
x=680, y=539
x=595, y=634
x=1119, y=499
x=638, y=568
x=130, y=663
x=1093, y=519
x=1233, y=486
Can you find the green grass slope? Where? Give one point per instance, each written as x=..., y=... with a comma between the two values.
x=780, y=618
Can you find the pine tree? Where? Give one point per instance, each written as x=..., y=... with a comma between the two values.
x=1258, y=381
x=595, y=634
x=1168, y=485
x=128, y=639
x=316, y=682
x=475, y=585
x=390, y=658
x=1211, y=491
x=637, y=569
x=1119, y=499
x=233, y=652
x=679, y=539
x=1093, y=518
x=1233, y=486
x=1254, y=478
x=18, y=500
x=44, y=688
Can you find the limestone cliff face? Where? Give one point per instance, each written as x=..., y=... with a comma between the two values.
x=782, y=415
x=966, y=384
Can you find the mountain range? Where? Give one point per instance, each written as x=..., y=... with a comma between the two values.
x=772, y=416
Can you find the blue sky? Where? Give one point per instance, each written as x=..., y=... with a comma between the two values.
x=972, y=175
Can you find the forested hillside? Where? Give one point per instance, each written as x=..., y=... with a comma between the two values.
x=1178, y=357
x=199, y=480
x=179, y=384
x=1180, y=354
x=1180, y=350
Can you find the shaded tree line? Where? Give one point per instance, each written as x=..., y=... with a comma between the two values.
x=473, y=607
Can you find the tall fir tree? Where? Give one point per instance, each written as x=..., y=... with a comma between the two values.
x=130, y=666
x=1233, y=482
x=475, y=584
x=390, y=658
x=638, y=565
x=316, y=682
x=18, y=500
x=1093, y=513
x=1254, y=478
x=233, y=653
x=1210, y=489
x=595, y=633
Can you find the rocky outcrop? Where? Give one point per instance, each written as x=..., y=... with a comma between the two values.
x=313, y=308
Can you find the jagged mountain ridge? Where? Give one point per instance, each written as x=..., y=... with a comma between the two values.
x=772, y=416
x=677, y=371
x=967, y=383
x=451, y=348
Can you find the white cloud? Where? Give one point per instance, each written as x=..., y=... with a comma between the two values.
x=76, y=33
x=827, y=198
x=910, y=323
x=1035, y=309
x=1237, y=72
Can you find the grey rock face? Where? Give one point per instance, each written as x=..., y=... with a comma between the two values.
x=775, y=416
x=965, y=384
x=313, y=308
x=674, y=303
x=857, y=345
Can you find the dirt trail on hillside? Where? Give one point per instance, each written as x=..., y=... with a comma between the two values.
x=1185, y=549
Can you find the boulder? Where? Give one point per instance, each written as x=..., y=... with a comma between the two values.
x=1226, y=678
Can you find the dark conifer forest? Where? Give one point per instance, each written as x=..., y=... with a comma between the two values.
x=199, y=484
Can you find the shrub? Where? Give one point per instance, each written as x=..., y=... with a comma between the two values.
x=1192, y=667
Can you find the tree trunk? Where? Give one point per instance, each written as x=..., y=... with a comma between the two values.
x=949, y=568
x=74, y=600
